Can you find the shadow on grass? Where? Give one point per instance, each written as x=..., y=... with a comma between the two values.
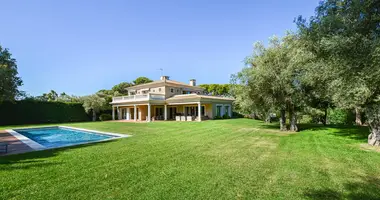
x=367, y=187
x=354, y=132
x=36, y=158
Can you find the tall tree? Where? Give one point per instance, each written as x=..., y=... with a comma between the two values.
x=345, y=35
x=9, y=79
x=93, y=103
x=142, y=80
x=121, y=88
x=273, y=78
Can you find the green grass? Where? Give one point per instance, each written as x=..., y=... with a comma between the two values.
x=223, y=159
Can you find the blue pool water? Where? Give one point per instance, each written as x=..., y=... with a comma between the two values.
x=58, y=136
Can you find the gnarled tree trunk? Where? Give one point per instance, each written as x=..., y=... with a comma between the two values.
x=93, y=115
x=358, y=117
x=324, y=120
x=373, y=117
x=293, y=119
x=282, y=120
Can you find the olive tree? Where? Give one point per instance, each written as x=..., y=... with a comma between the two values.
x=344, y=34
x=93, y=103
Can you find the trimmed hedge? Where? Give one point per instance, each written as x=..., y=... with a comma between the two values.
x=36, y=112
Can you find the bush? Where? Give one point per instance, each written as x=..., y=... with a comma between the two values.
x=217, y=117
x=237, y=115
x=341, y=116
x=226, y=116
x=37, y=112
x=105, y=117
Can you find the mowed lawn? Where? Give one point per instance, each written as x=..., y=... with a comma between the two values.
x=224, y=159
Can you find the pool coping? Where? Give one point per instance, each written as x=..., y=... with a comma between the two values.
x=38, y=147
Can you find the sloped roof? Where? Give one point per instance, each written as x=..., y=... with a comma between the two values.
x=159, y=82
x=187, y=96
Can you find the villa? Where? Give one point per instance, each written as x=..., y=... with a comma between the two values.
x=166, y=99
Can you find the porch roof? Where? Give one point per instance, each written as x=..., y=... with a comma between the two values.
x=197, y=97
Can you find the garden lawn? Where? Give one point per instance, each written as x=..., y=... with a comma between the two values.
x=221, y=159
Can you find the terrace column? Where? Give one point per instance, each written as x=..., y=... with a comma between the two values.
x=128, y=114
x=149, y=115
x=118, y=113
x=199, y=112
x=113, y=113
x=135, y=113
x=165, y=112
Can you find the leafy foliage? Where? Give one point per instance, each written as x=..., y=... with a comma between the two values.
x=217, y=89
x=93, y=103
x=141, y=80
x=105, y=117
x=9, y=79
x=37, y=112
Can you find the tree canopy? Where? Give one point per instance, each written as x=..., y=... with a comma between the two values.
x=332, y=60
x=93, y=103
x=9, y=79
x=141, y=80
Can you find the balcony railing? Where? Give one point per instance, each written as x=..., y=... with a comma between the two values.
x=142, y=97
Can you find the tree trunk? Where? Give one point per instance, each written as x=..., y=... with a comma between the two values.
x=373, y=116
x=293, y=119
x=283, y=120
x=358, y=117
x=93, y=115
x=324, y=120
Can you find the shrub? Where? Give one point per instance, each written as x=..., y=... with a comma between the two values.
x=36, y=112
x=226, y=116
x=105, y=117
x=217, y=117
x=341, y=116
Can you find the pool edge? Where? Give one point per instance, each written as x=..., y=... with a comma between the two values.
x=31, y=143
x=35, y=146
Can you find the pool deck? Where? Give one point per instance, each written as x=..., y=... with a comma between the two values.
x=15, y=146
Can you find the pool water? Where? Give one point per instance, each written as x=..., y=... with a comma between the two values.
x=58, y=136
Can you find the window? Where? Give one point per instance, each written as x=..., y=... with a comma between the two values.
x=172, y=90
x=227, y=110
x=154, y=90
x=159, y=89
x=177, y=90
x=219, y=111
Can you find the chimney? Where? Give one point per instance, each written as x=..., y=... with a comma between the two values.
x=193, y=82
x=164, y=78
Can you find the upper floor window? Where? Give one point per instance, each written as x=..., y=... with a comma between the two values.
x=172, y=90
x=159, y=89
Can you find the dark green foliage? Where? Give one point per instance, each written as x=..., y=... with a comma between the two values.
x=218, y=117
x=226, y=116
x=9, y=79
x=217, y=89
x=105, y=117
x=237, y=115
x=341, y=116
x=36, y=112
x=142, y=80
x=121, y=88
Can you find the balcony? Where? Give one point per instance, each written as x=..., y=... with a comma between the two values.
x=142, y=97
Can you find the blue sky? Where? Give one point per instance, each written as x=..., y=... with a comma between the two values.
x=80, y=47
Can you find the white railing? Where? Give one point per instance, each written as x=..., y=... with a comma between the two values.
x=141, y=97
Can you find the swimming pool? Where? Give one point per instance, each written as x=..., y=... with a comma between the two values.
x=60, y=136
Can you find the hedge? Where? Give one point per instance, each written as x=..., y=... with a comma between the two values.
x=37, y=112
